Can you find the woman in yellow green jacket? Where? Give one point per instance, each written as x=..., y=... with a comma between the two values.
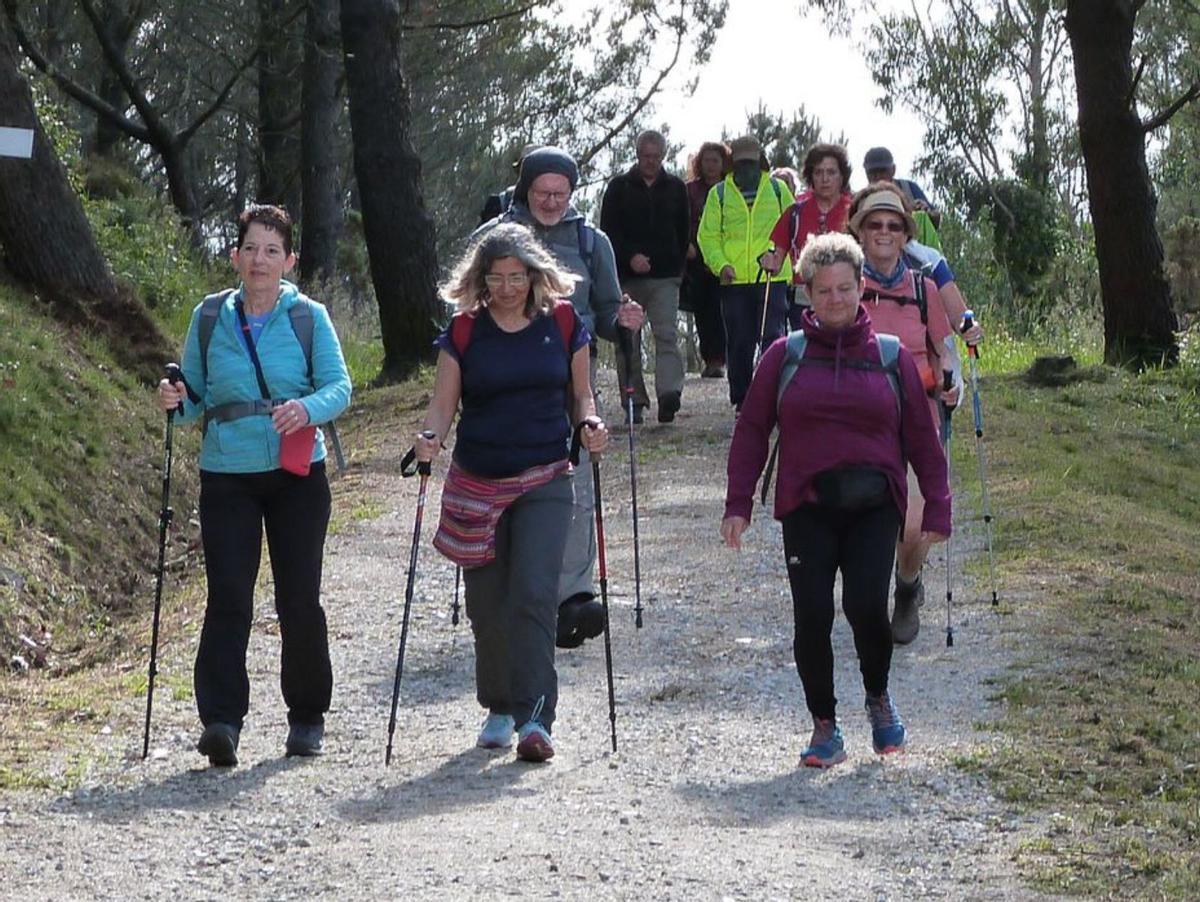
x=735, y=231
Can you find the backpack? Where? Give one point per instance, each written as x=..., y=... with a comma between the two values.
x=463, y=324
x=301, y=318
x=794, y=358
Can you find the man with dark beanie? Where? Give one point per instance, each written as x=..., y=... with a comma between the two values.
x=646, y=214
x=541, y=201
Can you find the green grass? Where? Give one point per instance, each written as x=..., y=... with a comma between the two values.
x=1096, y=491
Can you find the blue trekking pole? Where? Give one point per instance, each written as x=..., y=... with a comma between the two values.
x=947, y=411
x=174, y=376
x=980, y=451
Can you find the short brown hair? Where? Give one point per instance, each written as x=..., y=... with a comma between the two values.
x=817, y=153
x=274, y=218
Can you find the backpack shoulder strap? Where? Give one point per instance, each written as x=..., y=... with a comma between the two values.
x=301, y=317
x=918, y=277
x=210, y=311
x=889, y=359
x=778, y=191
x=585, y=237
x=797, y=345
x=461, y=327
x=564, y=316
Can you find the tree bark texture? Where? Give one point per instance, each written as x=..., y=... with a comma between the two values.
x=48, y=242
x=398, y=229
x=321, y=224
x=1139, y=323
x=279, y=64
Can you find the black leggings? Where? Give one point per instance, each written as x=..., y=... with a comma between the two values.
x=817, y=543
x=233, y=510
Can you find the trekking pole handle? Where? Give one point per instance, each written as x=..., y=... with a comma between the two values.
x=968, y=324
x=175, y=376
x=577, y=437
x=424, y=467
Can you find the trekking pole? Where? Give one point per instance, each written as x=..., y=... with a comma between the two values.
x=947, y=411
x=625, y=337
x=174, y=376
x=338, y=456
x=762, y=323
x=454, y=607
x=424, y=469
x=576, y=442
x=980, y=451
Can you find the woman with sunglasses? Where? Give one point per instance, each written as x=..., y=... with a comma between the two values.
x=516, y=356
x=905, y=303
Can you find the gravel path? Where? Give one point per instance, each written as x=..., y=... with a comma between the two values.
x=703, y=800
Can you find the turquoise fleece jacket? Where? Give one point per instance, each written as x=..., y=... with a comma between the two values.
x=250, y=444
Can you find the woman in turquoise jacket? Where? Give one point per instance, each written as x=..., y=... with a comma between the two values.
x=261, y=394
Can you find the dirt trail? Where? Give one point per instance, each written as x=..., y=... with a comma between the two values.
x=703, y=800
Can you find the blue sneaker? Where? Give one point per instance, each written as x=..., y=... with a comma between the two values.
x=497, y=732
x=826, y=748
x=533, y=742
x=887, y=729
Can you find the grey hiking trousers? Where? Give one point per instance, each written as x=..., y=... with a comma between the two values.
x=579, y=558
x=512, y=603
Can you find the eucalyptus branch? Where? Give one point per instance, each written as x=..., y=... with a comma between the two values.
x=1164, y=116
x=475, y=23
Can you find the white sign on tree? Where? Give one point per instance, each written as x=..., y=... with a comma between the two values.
x=16, y=142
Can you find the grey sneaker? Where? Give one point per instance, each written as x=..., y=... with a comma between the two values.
x=304, y=739
x=219, y=742
x=906, y=621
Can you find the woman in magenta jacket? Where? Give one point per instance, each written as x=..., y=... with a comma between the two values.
x=845, y=434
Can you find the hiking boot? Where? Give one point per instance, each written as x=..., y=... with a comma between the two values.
x=304, y=740
x=887, y=730
x=219, y=741
x=906, y=621
x=639, y=415
x=826, y=748
x=712, y=371
x=497, y=732
x=533, y=742
x=579, y=617
x=668, y=406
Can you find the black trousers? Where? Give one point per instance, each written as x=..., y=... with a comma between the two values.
x=742, y=311
x=701, y=288
x=817, y=543
x=233, y=510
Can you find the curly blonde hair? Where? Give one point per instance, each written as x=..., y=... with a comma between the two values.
x=548, y=281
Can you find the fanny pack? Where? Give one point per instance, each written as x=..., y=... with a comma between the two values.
x=852, y=489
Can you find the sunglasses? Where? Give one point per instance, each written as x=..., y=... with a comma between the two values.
x=890, y=226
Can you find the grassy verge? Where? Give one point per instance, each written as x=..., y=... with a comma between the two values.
x=1096, y=485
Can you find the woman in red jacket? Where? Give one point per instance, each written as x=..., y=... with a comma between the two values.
x=842, y=489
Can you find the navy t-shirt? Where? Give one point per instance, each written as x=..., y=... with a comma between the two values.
x=514, y=395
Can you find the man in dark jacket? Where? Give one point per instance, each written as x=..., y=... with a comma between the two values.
x=645, y=215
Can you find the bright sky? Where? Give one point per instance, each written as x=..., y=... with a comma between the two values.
x=768, y=51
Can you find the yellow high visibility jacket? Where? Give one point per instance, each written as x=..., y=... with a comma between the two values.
x=732, y=234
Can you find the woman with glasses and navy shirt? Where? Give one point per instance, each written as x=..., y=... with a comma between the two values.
x=515, y=356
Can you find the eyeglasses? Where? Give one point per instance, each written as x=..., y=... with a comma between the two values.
x=512, y=280
x=554, y=196
x=890, y=226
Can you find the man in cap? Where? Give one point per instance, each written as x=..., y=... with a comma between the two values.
x=541, y=202
x=645, y=213
x=734, y=234
x=880, y=166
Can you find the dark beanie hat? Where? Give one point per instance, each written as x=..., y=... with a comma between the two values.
x=540, y=162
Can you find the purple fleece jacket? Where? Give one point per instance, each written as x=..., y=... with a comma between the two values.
x=834, y=417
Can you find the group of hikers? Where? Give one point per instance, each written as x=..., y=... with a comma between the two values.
x=831, y=321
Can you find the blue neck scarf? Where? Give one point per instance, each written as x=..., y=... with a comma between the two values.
x=886, y=282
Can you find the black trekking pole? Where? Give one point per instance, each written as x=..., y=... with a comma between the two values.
x=576, y=442
x=626, y=339
x=174, y=376
x=947, y=411
x=424, y=469
x=762, y=323
x=981, y=451
x=454, y=607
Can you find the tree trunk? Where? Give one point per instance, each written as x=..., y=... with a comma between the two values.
x=181, y=183
x=1139, y=324
x=278, y=105
x=398, y=229
x=119, y=27
x=320, y=171
x=48, y=242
